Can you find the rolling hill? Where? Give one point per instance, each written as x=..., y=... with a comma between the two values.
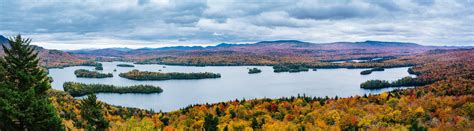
x=261, y=53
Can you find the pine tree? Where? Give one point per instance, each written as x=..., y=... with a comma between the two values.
x=91, y=111
x=210, y=122
x=24, y=104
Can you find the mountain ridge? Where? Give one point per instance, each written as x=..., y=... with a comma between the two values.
x=275, y=42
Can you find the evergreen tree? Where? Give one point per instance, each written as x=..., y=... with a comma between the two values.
x=91, y=111
x=210, y=122
x=254, y=123
x=24, y=104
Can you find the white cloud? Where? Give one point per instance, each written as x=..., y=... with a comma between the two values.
x=141, y=23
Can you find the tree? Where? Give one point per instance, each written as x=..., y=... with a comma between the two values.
x=24, y=104
x=91, y=111
x=210, y=123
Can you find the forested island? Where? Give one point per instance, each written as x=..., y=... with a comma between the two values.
x=366, y=72
x=80, y=89
x=146, y=75
x=289, y=68
x=99, y=67
x=405, y=81
x=91, y=74
x=125, y=65
x=254, y=70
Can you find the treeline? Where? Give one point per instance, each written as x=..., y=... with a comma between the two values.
x=125, y=65
x=405, y=81
x=254, y=70
x=146, y=75
x=366, y=72
x=80, y=89
x=91, y=74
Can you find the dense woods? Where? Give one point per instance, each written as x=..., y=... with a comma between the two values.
x=80, y=89
x=405, y=81
x=99, y=67
x=290, y=68
x=254, y=70
x=125, y=65
x=437, y=65
x=375, y=84
x=91, y=74
x=146, y=75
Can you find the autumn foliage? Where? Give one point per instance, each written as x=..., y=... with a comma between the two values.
x=445, y=104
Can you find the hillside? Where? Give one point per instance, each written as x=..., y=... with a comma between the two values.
x=50, y=58
x=261, y=53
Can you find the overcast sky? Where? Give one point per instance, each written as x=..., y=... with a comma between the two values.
x=74, y=24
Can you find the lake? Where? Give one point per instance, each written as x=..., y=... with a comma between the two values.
x=235, y=83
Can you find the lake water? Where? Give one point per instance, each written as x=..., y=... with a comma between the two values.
x=235, y=83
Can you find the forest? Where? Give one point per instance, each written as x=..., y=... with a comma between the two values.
x=444, y=105
x=146, y=75
x=403, y=82
x=290, y=68
x=80, y=89
x=91, y=74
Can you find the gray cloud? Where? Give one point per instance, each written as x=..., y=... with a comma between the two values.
x=138, y=23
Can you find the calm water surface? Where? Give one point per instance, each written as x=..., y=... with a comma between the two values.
x=235, y=83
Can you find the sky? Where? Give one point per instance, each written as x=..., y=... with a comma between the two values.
x=78, y=24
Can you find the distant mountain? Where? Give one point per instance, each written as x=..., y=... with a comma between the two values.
x=269, y=45
x=121, y=49
x=49, y=58
x=282, y=42
x=383, y=43
x=270, y=49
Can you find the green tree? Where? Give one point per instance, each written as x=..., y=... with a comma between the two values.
x=24, y=104
x=91, y=111
x=210, y=122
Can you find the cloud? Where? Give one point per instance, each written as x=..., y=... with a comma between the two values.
x=137, y=23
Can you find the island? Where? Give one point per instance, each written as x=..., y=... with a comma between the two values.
x=79, y=89
x=99, y=67
x=366, y=72
x=125, y=65
x=254, y=70
x=405, y=81
x=289, y=68
x=91, y=74
x=147, y=75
